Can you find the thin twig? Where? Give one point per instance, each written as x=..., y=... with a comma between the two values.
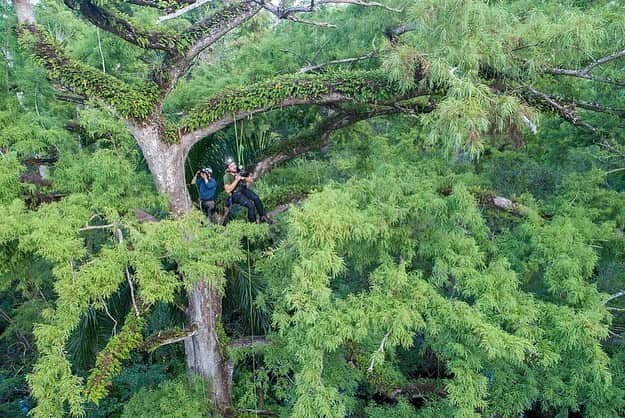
x=616, y=170
x=308, y=68
x=310, y=22
x=106, y=309
x=6, y=317
x=379, y=350
x=120, y=238
x=94, y=227
x=97, y=31
x=579, y=74
x=614, y=296
x=182, y=11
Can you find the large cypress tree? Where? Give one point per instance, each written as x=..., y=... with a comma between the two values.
x=475, y=68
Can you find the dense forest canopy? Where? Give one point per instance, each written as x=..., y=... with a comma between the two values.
x=446, y=182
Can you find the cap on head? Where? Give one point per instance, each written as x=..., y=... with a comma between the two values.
x=228, y=161
x=207, y=170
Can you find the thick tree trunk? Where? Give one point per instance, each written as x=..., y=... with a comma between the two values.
x=202, y=351
x=24, y=12
x=166, y=162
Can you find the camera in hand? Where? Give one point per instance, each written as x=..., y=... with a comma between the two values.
x=243, y=172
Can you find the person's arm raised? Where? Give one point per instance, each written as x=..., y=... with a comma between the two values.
x=230, y=187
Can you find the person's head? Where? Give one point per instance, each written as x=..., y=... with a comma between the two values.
x=206, y=173
x=230, y=165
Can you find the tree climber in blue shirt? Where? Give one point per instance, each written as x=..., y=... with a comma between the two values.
x=207, y=189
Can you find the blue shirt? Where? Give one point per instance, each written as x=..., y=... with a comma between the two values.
x=207, y=189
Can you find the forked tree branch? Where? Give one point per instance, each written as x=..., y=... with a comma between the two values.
x=200, y=36
x=603, y=60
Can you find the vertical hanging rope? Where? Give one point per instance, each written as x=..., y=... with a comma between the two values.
x=249, y=282
x=97, y=31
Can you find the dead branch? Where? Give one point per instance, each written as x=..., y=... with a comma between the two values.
x=579, y=74
x=144, y=217
x=614, y=296
x=296, y=19
x=555, y=105
x=167, y=337
x=182, y=11
x=309, y=68
x=587, y=69
x=379, y=350
x=95, y=227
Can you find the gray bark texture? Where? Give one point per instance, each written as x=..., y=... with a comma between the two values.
x=202, y=351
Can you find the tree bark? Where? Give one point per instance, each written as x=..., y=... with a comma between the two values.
x=202, y=351
x=24, y=12
x=166, y=163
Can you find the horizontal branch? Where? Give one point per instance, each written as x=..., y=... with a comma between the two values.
x=296, y=19
x=597, y=107
x=566, y=112
x=310, y=68
x=299, y=89
x=167, y=337
x=168, y=6
x=316, y=138
x=284, y=12
x=96, y=227
x=257, y=412
x=579, y=74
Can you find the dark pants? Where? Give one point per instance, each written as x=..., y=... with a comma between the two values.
x=251, y=201
x=208, y=207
